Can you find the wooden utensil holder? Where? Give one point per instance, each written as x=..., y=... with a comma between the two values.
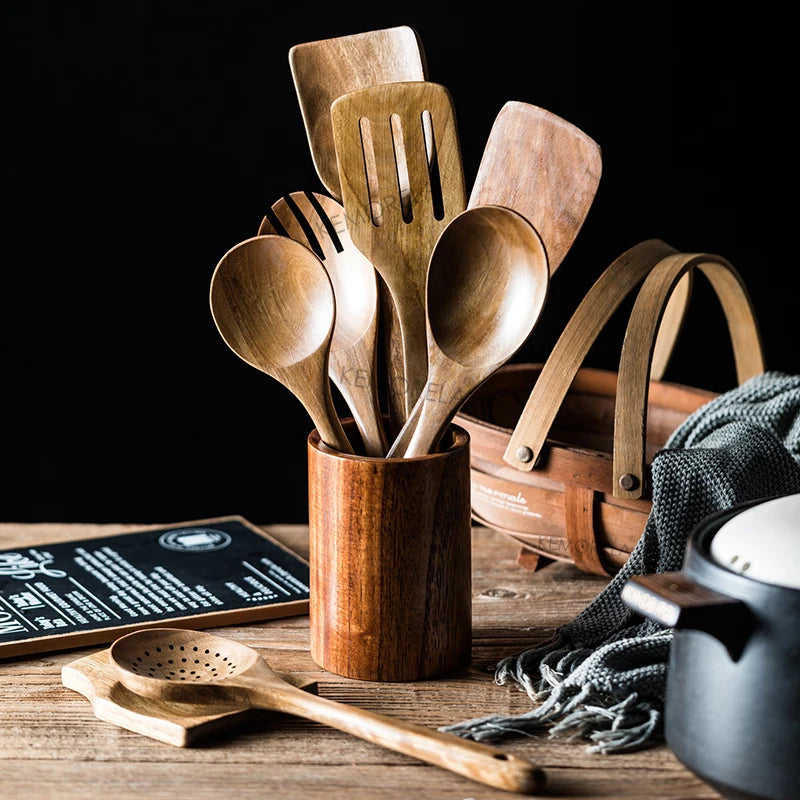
x=390, y=557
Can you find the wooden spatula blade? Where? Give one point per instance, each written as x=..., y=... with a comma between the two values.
x=371, y=179
x=402, y=182
x=328, y=68
x=543, y=167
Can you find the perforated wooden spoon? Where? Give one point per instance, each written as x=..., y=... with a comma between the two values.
x=402, y=182
x=273, y=304
x=487, y=283
x=192, y=666
x=320, y=224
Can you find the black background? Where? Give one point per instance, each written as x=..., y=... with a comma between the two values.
x=142, y=140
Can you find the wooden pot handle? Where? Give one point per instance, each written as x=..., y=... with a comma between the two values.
x=635, y=370
x=585, y=325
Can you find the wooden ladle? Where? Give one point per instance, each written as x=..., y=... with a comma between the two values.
x=191, y=666
x=487, y=282
x=273, y=304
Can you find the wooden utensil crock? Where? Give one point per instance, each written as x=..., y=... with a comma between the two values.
x=390, y=556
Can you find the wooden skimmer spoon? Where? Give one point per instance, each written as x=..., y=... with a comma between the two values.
x=319, y=223
x=273, y=304
x=191, y=666
x=402, y=182
x=487, y=283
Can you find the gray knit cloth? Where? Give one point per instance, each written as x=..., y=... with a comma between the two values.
x=602, y=677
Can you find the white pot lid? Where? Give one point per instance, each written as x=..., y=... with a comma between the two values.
x=763, y=542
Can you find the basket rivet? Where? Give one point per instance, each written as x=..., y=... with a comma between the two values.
x=524, y=454
x=628, y=481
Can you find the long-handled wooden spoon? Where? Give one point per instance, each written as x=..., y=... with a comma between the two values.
x=273, y=304
x=402, y=181
x=319, y=222
x=183, y=665
x=487, y=283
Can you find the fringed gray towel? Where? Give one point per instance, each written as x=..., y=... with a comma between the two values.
x=602, y=677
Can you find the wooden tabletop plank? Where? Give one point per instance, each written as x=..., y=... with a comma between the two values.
x=52, y=745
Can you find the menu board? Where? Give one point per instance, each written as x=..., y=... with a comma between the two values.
x=192, y=575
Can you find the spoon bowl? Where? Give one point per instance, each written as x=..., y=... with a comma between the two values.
x=273, y=304
x=194, y=666
x=488, y=279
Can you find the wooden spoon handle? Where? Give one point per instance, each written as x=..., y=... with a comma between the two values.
x=318, y=402
x=406, y=434
x=479, y=762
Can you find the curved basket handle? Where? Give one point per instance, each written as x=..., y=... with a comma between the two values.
x=635, y=370
x=587, y=322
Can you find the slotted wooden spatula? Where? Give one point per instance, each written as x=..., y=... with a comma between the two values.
x=402, y=181
x=542, y=167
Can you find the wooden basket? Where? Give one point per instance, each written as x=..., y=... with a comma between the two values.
x=560, y=453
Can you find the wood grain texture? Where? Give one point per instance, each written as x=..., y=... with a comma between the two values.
x=532, y=507
x=320, y=223
x=634, y=368
x=487, y=284
x=52, y=747
x=225, y=671
x=543, y=167
x=621, y=277
x=323, y=71
x=390, y=571
x=326, y=69
x=177, y=723
x=401, y=186
x=273, y=304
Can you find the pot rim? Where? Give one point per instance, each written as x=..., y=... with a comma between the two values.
x=698, y=557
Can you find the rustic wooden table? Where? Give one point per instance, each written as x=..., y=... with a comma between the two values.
x=52, y=745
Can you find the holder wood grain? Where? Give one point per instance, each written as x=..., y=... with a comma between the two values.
x=390, y=556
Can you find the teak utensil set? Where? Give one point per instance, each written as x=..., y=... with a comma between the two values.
x=452, y=286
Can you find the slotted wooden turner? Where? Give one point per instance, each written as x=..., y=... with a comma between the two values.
x=402, y=180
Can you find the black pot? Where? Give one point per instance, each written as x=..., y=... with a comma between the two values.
x=732, y=711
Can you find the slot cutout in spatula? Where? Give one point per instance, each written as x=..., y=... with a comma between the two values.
x=402, y=181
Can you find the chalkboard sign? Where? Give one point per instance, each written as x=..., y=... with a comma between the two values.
x=193, y=575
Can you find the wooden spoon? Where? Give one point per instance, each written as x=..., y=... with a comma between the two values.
x=487, y=283
x=191, y=666
x=273, y=304
x=319, y=222
x=402, y=182
x=543, y=167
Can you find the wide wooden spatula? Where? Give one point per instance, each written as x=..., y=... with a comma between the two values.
x=402, y=181
x=325, y=69
x=542, y=167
